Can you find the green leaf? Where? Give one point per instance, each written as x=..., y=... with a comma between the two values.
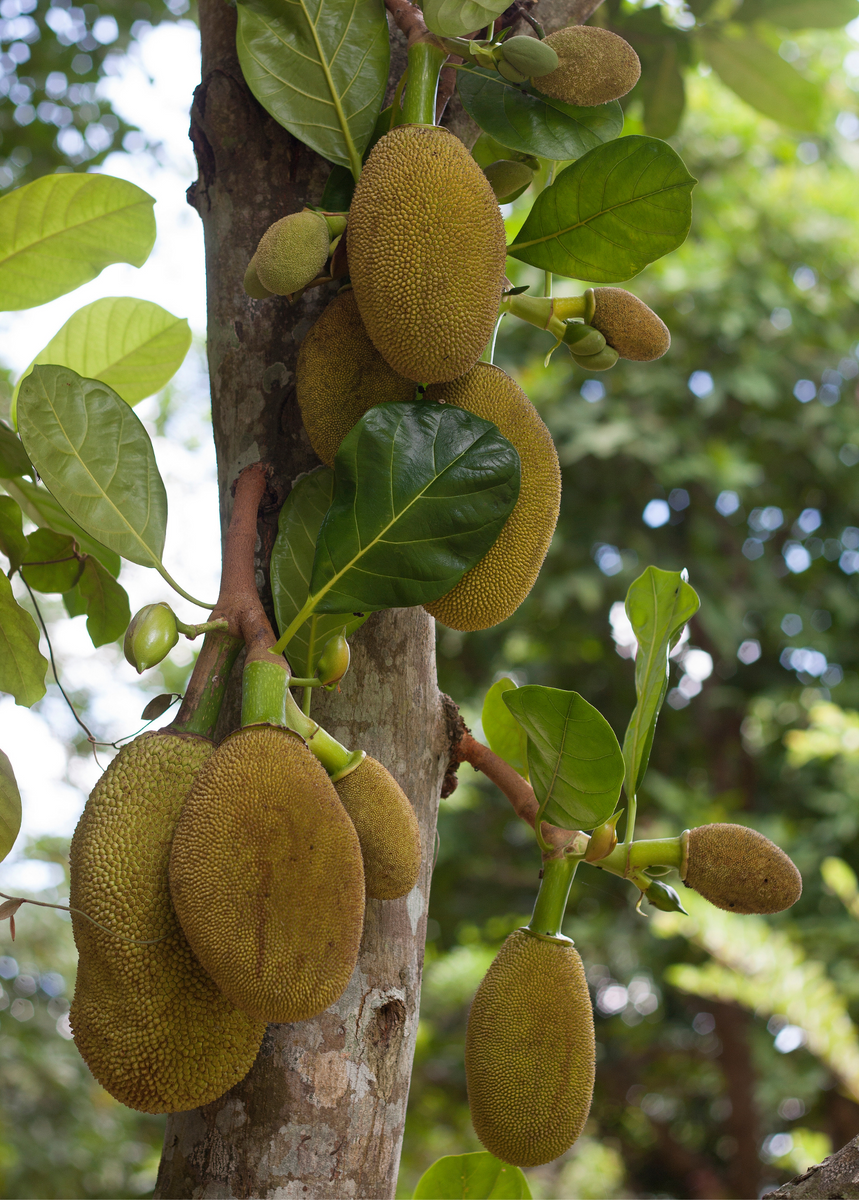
x=455, y=18
x=658, y=604
x=320, y=69
x=478, y=1176
x=10, y=806
x=421, y=492
x=607, y=216
x=59, y=568
x=799, y=14
x=22, y=667
x=105, y=603
x=133, y=346
x=291, y=563
x=43, y=510
x=13, y=459
x=12, y=541
x=505, y=735
x=574, y=760
x=764, y=80
x=662, y=91
x=61, y=230
x=533, y=124
x=96, y=458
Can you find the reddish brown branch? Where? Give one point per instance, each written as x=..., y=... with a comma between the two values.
x=409, y=20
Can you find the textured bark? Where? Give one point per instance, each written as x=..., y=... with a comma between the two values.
x=321, y=1113
x=836, y=1178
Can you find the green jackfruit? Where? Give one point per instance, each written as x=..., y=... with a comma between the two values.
x=426, y=253
x=149, y=1022
x=151, y=635
x=290, y=253
x=530, y=1051
x=738, y=869
x=387, y=829
x=497, y=585
x=266, y=876
x=628, y=325
x=340, y=375
x=595, y=66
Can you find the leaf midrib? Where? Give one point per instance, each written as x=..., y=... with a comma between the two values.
x=32, y=246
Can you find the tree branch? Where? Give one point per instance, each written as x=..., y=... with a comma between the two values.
x=837, y=1175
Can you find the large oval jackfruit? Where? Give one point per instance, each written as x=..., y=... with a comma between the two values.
x=596, y=66
x=266, y=876
x=150, y=1023
x=530, y=1051
x=426, y=253
x=340, y=375
x=497, y=585
x=387, y=829
x=738, y=869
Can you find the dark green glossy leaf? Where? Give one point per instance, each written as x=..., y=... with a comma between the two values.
x=105, y=603
x=799, y=14
x=13, y=457
x=338, y=191
x=421, y=492
x=42, y=509
x=611, y=213
x=764, y=80
x=22, y=667
x=574, y=760
x=478, y=1176
x=455, y=18
x=12, y=541
x=158, y=706
x=55, y=567
x=10, y=806
x=291, y=563
x=658, y=604
x=533, y=124
x=505, y=735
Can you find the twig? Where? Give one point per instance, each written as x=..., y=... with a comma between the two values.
x=409, y=20
x=19, y=900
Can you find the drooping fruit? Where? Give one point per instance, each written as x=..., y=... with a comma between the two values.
x=426, y=253
x=628, y=325
x=497, y=585
x=340, y=375
x=530, y=1051
x=387, y=829
x=530, y=55
x=266, y=876
x=595, y=66
x=150, y=1023
x=290, y=253
x=738, y=869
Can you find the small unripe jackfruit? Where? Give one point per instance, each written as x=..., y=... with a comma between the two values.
x=508, y=178
x=738, y=869
x=266, y=876
x=628, y=325
x=291, y=252
x=151, y=635
x=595, y=66
x=426, y=253
x=150, y=1023
x=496, y=586
x=340, y=375
x=530, y=55
x=252, y=285
x=530, y=1051
x=387, y=829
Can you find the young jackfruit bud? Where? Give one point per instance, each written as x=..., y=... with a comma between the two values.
x=334, y=660
x=252, y=285
x=603, y=361
x=150, y=637
x=583, y=340
x=627, y=324
x=510, y=73
x=738, y=869
x=595, y=66
x=530, y=56
x=291, y=252
x=508, y=178
x=664, y=897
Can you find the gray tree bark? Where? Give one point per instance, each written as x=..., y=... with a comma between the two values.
x=321, y=1113
x=836, y=1178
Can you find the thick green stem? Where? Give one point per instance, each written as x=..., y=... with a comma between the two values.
x=426, y=59
x=626, y=860
x=204, y=694
x=336, y=759
x=265, y=687
x=551, y=903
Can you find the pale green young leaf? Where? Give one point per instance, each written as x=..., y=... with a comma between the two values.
x=22, y=666
x=505, y=735
x=478, y=1176
x=764, y=80
x=43, y=510
x=455, y=18
x=10, y=806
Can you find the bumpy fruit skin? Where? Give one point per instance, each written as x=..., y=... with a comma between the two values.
x=149, y=1022
x=387, y=829
x=497, y=585
x=740, y=870
x=426, y=253
x=340, y=375
x=291, y=252
x=595, y=66
x=530, y=1051
x=628, y=325
x=266, y=876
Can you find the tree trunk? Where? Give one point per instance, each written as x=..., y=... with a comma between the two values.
x=321, y=1113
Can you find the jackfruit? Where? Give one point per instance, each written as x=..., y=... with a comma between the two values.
x=387, y=829
x=738, y=869
x=340, y=375
x=530, y=55
x=627, y=324
x=508, y=178
x=595, y=66
x=266, y=876
x=149, y=1022
x=496, y=586
x=530, y=1051
x=426, y=253
x=290, y=253
x=151, y=635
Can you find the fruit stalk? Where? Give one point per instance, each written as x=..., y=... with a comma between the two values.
x=426, y=59
x=551, y=902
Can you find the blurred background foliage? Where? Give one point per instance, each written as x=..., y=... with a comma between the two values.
x=727, y=1045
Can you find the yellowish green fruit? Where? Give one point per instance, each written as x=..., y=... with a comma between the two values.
x=595, y=66
x=266, y=876
x=497, y=585
x=291, y=252
x=149, y=1022
x=738, y=869
x=252, y=285
x=530, y=1051
x=426, y=253
x=387, y=829
x=628, y=325
x=508, y=178
x=151, y=635
x=340, y=375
